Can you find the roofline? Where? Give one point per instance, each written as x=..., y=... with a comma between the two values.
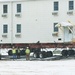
x=20, y=1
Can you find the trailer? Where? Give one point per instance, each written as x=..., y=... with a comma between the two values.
x=44, y=50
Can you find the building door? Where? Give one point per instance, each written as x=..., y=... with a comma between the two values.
x=67, y=35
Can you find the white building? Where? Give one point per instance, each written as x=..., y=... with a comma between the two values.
x=29, y=21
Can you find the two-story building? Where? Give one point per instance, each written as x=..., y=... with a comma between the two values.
x=29, y=21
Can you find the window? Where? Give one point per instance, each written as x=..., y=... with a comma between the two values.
x=5, y=28
x=18, y=28
x=55, y=28
x=71, y=5
x=5, y=8
x=71, y=29
x=18, y=8
x=55, y=6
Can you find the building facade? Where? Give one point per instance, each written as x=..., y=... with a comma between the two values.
x=29, y=21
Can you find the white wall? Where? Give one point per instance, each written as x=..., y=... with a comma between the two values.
x=5, y=20
x=36, y=20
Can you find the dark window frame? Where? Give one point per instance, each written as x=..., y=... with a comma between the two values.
x=5, y=8
x=18, y=28
x=18, y=8
x=55, y=28
x=5, y=28
x=71, y=5
x=56, y=6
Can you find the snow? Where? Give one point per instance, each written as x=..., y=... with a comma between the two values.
x=59, y=67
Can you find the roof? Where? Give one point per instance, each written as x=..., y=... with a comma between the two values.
x=19, y=0
x=64, y=24
x=8, y=0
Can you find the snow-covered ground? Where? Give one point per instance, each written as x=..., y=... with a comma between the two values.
x=60, y=67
